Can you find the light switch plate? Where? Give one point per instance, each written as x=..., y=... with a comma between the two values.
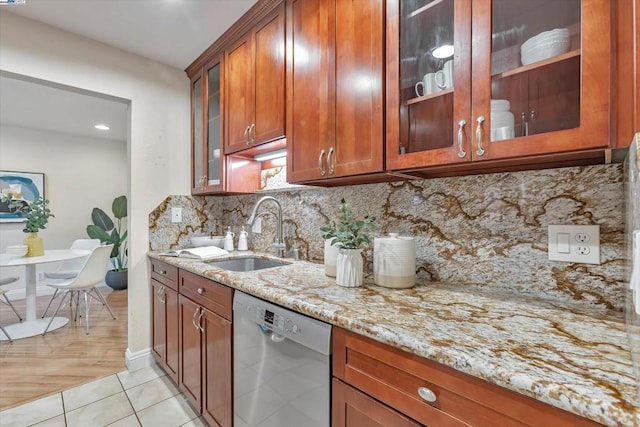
x=176, y=214
x=574, y=243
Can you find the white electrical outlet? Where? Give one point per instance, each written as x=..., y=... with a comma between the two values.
x=176, y=214
x=574, y=243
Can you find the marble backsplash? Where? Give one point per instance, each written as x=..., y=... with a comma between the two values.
x=489, y=230
x=632, y=209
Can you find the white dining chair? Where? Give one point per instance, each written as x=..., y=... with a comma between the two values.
x=3, y=293
x=70, y=269
x=85, y=283
x=6, y=281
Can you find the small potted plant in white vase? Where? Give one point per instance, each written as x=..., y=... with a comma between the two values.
x=348, y=234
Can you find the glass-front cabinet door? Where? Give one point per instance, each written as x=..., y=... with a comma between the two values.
x=208, y=158
x=495, y=79
x=543, y=76
x=428, y=82
x=214, y=125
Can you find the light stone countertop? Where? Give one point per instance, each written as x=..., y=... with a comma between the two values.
x=574, y=357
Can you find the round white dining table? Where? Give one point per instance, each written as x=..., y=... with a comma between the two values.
x=32, y=324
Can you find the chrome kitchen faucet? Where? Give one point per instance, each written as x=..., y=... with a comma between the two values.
x=279, y=240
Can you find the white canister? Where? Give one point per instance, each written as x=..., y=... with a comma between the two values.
x=330, y=258
x=394, y=261
x=502, y=121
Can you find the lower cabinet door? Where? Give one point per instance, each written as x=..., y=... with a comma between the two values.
x=172, y=325
x=352, y=408
x=190, y=371
x=158, y=325
x=216, y=370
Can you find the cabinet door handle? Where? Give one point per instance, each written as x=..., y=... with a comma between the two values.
x=330, y=155
x=161, y=294
x=252, y=132
x=427, y=394
x=461, y=125
x=204, y=181
x=322, y=170
x=479, y=150
x=200, y=320
x=193, y=319
x=246, y=133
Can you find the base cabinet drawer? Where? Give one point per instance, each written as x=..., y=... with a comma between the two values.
x=433, y=394
x=352, y=408
x=164, y=273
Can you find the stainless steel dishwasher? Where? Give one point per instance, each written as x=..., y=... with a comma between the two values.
x=282, y=366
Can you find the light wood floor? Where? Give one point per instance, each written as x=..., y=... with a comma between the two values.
x=38, y=366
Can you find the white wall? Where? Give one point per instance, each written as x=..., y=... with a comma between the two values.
x=158, y=148
x=80, y=173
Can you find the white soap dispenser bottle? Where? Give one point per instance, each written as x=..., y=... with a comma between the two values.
x=242, y=240
x=228, y=240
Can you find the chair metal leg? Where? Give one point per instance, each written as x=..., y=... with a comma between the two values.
x=56, y=312
x=12, y=307
x=86, y=309
x=104, y=301
x=50, y=301
x=6, y=333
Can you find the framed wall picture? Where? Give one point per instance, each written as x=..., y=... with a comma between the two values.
x=24, y=186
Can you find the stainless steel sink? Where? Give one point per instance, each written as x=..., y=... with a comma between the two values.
x=246, y=264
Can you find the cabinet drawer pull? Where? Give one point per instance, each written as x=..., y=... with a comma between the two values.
x=427, y=394
x=322, y=170
x=480, y=150
x=163, y=272
x=461, y=125
x=331, y=155
x=200, y=291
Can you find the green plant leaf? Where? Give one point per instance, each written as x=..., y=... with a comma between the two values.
x=96, y=232
x=101, y=219
x=119, y=207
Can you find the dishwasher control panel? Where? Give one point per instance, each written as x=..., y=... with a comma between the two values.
x=284, y=322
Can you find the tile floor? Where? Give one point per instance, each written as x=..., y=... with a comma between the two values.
x=146, y=397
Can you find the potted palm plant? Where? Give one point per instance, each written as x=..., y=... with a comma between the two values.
x=348, y=233
x=108, y=232
x=37, y=214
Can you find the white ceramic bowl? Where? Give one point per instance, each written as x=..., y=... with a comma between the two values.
x=17, y=250
x=197, y=241
x=545, y=45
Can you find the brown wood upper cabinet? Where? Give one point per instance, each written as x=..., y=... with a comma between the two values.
x=211, y=167
x=255, y=85
x=556, y=88
x=335, y=69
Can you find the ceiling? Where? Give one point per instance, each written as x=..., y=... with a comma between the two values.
x=172, y=32
x=33, y=104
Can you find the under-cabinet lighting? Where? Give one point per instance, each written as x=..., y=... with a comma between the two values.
x=271, y=155
x=101, y=127
x=442, y=52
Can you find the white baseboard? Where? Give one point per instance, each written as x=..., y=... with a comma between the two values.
x=139, y=359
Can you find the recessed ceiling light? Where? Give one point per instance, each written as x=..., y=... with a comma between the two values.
x=102, y=127
x=444, y=51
